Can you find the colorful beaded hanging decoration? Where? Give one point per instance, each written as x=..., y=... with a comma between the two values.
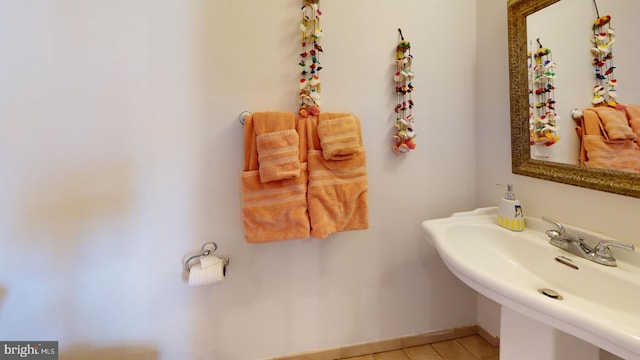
x=403, y=139
x=310, y=59
x=604, y=91
x=543, y=119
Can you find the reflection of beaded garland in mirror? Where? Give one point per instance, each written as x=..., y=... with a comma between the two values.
x=543, y=119
x=309, y=85
x=604, y=91
x=403, y=139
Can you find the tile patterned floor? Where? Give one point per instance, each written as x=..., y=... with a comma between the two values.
x=466, y=348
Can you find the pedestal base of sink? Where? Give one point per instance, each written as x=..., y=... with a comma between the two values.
x=524, y=338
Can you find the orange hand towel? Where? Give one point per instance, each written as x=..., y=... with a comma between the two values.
x=339, y=137
x=275, y=210
x=616, y=125
x=277, y=144
x=633, y=114
x=337, y=190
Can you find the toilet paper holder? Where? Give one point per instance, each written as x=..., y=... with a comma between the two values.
x=207, y=249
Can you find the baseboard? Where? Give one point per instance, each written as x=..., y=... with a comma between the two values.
x=394, y=344
x=493, y=340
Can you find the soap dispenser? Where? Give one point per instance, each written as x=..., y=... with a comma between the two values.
x=510, y=211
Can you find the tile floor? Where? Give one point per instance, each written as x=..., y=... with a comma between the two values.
x=465, y=348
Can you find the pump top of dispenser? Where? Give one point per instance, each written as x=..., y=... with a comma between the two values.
x=509, y=195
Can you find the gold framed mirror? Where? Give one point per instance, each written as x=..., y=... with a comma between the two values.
x=618, y=182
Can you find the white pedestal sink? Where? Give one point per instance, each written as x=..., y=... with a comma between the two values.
x=596, y=307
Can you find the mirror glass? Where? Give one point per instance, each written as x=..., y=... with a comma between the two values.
x=564, y=29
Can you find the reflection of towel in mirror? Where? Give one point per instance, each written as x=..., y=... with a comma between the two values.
x=633, y=113
x=623, y=156
x=615, y=124
x=596, y=151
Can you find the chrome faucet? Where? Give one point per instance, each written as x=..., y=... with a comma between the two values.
x=600, y=253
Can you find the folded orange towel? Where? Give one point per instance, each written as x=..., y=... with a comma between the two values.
x=277, y=144
x=340, y=138
x=633, y=114
x=615, y=123
x=337, y=190
x=275, y=210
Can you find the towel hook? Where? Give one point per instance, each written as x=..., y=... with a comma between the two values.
x=207, y=248
x=576, y=114
x=243, y=116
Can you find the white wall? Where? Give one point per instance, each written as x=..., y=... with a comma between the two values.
x=121, y=153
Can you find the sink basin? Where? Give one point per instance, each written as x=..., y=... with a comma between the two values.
x=598, y=304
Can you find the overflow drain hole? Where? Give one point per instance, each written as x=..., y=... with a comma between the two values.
x=550, y=293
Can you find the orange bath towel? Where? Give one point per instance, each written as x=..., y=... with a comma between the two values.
x=277, y=144
x=274, y=210
x=337, y=190
x=339, y=137
x=591, y=123
x=623, y=156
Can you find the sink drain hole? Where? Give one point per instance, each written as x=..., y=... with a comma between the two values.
x=550, y=293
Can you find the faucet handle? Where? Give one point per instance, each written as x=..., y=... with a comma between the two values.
x=560, y=227
x=603, y=254
x=561, y=235
x=603, y=247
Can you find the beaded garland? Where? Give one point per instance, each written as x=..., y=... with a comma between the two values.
x=310, y=59
x=403, y=139
x=604, y=92
x=543, y=120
